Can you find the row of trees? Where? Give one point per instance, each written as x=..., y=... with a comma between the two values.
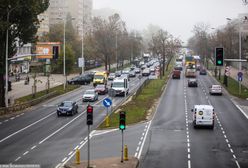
x=20, y=20
x=204, y=42
x=108, y=41
x=162, y=44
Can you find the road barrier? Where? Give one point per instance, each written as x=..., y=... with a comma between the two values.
x=22, y=106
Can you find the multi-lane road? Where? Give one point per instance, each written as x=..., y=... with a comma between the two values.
x=168, y=140
x=173, y=142
x=38, y=136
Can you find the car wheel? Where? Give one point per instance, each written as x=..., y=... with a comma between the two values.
x=58, y=114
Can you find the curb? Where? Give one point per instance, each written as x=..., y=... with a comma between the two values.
x=226, y=92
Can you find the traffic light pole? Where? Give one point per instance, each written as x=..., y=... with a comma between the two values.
x=88, y=146
x=122, y=143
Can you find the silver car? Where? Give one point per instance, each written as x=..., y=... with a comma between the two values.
x=90, y=95
x=215, y=89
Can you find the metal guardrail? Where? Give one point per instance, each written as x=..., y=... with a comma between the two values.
x=22, y=106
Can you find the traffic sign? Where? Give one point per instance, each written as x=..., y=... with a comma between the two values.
x=107, y=102
x=240, y=74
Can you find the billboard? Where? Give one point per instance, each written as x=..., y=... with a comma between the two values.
x=45, y=50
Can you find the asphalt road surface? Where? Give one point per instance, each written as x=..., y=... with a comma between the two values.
x=38, y=136
x=173, y=142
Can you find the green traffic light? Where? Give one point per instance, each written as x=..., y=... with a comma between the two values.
x=122, y=127
x=219, y=62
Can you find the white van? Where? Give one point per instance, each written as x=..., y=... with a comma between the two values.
x=120, y=85
x=203, y=115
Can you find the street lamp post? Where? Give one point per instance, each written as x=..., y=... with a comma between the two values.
x=116, y=51
x=6, y=55
x=64, y=55
x=83, y=39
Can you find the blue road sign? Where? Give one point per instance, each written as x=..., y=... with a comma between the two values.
x=107, y=102
x=240, y=74
x=240, y=78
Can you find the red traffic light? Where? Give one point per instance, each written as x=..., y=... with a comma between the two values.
x=89, y=109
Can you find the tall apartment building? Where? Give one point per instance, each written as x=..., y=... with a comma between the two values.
x=44, y=24
x=76, y=8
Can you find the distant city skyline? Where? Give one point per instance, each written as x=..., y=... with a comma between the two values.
x=176, y=17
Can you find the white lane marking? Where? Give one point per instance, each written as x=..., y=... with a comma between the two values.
x=33, y=147
x=6, y=120
x=138, y=149
x=229, y=145
x=104, y=132
x=143, y=134
x=237, y=163
x=81, y=142
x=64, y=159
x=227, y=141
x=231, y=150
x=12, y=118
x=240, y=109
x=26, y=127
x=76, y=147
x=22, y=114
x=189, y=164
x=25, y=153
x=141, y=138
x=49, y=136
x=58, y=166
x=135, y=155
x=188, y=156
x=70, y=153
x=0, y=122
x=234, y=156
x=144, y=140
x=188, y=145
x=17, y=116
x=140, y=143
x=18, y=158
x=188, y=150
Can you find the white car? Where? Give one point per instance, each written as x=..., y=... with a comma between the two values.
x=215, y=89
x=203, y=115
x=90, y=95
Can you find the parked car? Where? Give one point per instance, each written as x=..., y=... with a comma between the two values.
x=67, y=108
x=111, y=76
x=101, y=89
x=192, y=82
x=215, y=89
x=90, y=95
x=80, y=80
x=203, y=72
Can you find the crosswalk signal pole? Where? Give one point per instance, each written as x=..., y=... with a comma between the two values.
x=121, y=146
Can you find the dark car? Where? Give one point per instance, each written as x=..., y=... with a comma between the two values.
x=67, y=108
x=101, y=89
x=90, y=74
x=203, y=72
x=80, y=80
x=118, y=73
x=192, y=82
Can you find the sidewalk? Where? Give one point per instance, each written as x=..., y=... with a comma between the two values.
x=20, y=90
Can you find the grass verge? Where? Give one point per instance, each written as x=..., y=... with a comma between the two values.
x=138, y=108
x=59, y=91
x=233, y=88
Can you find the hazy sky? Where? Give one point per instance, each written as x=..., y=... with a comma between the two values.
x=176, y=16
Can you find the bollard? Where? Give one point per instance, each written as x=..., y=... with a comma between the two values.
x=125, y=153
x=107, y=121
x=77, y=156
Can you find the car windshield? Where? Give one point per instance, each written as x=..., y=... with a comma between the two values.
x=90, y=92
x=66, y=104
x=118, y=84
x=98, y=77
x=100, y=86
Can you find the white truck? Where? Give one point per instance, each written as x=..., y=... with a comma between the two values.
x=203, y=115
x=120, y=85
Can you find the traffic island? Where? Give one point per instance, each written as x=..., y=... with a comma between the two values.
x=114, y=162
